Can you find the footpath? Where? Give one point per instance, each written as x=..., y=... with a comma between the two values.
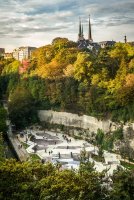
x=127, y=161
x=19, y=150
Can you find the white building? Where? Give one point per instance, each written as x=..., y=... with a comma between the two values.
x=104, y=44
x=23, y=53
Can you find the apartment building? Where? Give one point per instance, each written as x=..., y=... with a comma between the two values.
x=23, y=53
x=104, y=44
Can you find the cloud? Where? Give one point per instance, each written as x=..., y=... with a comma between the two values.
x=21, y=19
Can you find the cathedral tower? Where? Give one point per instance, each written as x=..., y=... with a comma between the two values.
x=125, y=39
x=90, y=32
x=80, y=34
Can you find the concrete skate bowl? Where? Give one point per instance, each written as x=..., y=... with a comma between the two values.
x=39, y=147
x=47, y=142
x=76, y=157
x=68, y=147
x=46, y=135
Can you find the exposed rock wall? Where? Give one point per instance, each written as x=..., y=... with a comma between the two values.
x=76, y=121
x=87, y=123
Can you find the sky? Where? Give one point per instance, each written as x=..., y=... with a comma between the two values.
x=38, y=22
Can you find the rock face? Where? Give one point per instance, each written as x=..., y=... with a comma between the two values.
x=86, y=123
x=76, y=121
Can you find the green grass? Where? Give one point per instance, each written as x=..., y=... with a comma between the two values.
x=127, y=165
x=25, y=145
x=34, y=157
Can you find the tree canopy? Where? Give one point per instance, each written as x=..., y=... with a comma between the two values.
x=45, y=181
x=60, y=76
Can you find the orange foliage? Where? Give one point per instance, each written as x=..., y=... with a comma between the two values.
x=130, y=80
x=51, y=70
x=23, y=68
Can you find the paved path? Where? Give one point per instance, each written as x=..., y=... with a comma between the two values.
x=127, y=161
x=19, y=149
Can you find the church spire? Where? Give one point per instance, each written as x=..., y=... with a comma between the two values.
x=90, y=32
x=79, y=34
x=125, y=39
x=82, y=31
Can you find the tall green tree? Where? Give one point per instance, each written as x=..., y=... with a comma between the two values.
x=123, y=185
x=3, y=116
x=22, y=111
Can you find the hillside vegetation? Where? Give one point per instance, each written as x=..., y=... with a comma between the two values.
x=62, y=77
x=36, y=181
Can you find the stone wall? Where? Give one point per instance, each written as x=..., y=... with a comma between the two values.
x=86, y=123
x=74, y=120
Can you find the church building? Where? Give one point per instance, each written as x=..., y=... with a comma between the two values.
x=89, y=43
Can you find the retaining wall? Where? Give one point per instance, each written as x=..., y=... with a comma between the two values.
x=76, y=121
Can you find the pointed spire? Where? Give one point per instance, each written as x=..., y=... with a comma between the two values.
x=79, y=35
x=90, y=32
x=82, y=31
x=125, y=39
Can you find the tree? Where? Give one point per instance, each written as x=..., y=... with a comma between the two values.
x=2, y=156
x=22, y=111
x=11, y=68
x=123, y=185
x=99, y=137
x=119, y=51
x=21, y=180
x=60, y=43
x=83, y=68
x=34, y=180
x=3, y=116
x=126, y=92
x=85, y=164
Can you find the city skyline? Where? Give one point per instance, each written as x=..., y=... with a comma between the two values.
x=37, y=23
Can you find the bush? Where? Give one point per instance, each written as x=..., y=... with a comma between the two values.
x=118, y=134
